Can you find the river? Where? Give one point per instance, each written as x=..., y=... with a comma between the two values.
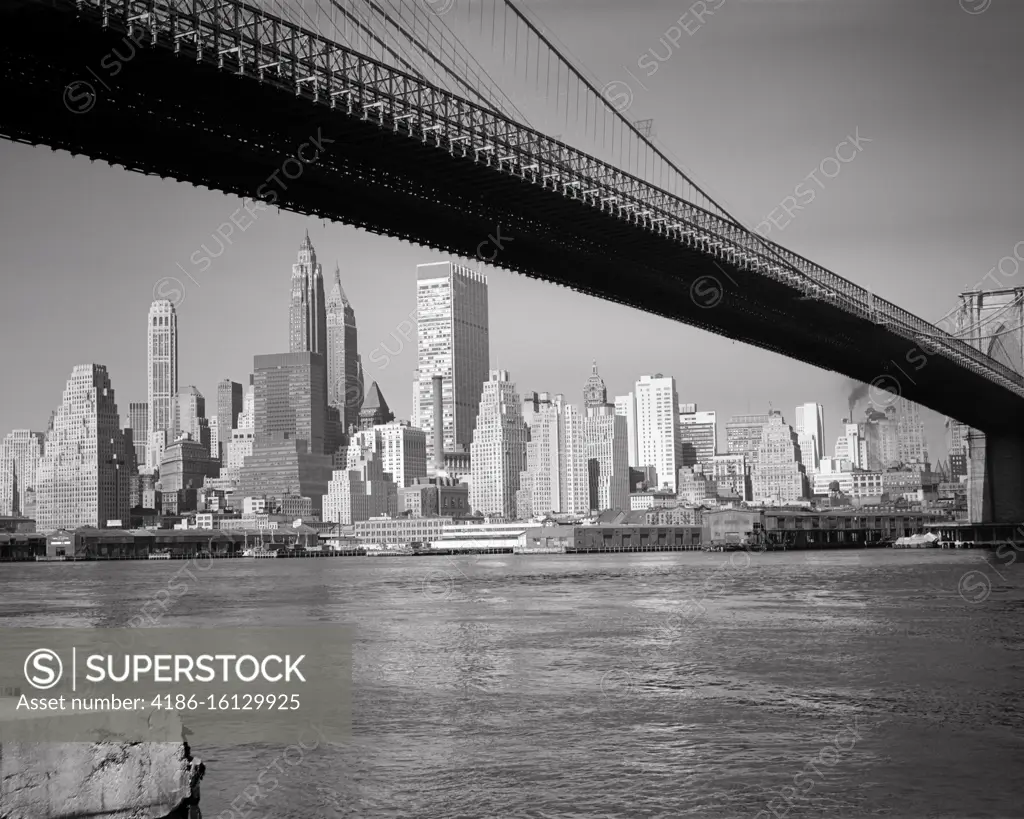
x=785, y=685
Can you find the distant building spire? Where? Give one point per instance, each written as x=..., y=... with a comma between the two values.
x=594, y=393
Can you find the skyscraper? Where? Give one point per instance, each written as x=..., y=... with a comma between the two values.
x=453, y=341
x=229, y=407
x=162, y=368
x=138, y=420
x=778, y=475
x=344, y=389
x=913, y=447
x=625, y=405
x=604, y=434
x=498, y=451
x=374, y=410
x=19, y=461
x=657, y=427
x=595, y=394
x=190, y=417
x=78, y=482
x=810, y=422
x=289, y=400
x=557, y=477
x=307, y=316
x=743, y=436
x=698, y=435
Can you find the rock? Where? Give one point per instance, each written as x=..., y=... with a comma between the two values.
x=99, y=780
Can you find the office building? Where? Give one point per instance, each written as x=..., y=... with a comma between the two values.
x=533, y=404
x=230, y=403
x=913, y=448
x=190, y=417
x=360, y=489
x=852, y=445
x=453, y=341
x=743, y=436
x=498, y=451
x=557, y=478
x=374, y=410
x=956, y=439
x=605, y=439
x=403, y=451
x=20, y=453
x=810, y=422
x=698, y=435
x=435, y=496
x=625, y=405
x=161, y=368
x=731, y=476
x=657, y=427
x=307, y=314
x=79, y=481
x=138, y=420
x=778, y=477
x=282, y=467
x=185, y=465
x=344, y=389
x=595, y=394
x=289, y=398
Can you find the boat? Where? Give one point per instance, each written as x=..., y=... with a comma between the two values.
x=161, y=555
x=260, y=552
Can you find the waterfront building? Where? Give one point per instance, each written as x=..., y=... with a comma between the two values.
x=810, y=423
x=138, y=420
x=426, y=497
x=289, y=397
x=778, y=476
x=607, y=451
x=453, y=341
x=185, y=465
x=344, y=390
x=670, y=516
x=657, y=427
x=307, y=313
x=375, y=410
x=625, y=405
x=498, y=451
x=20, y=454
x=230, y=403
x=479, y=536
x=360, y=489
x=161, y=369
x=79, y=481
x=698, y=435
x=401, y=531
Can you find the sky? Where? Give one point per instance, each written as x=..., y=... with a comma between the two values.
x=749, y=104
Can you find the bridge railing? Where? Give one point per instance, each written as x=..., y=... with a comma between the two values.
x=247, y=40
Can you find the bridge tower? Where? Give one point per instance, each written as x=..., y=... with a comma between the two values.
x=992, y=321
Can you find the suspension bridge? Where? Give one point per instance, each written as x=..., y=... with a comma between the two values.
x=432, y=122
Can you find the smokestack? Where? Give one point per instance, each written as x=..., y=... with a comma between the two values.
x=438, y=425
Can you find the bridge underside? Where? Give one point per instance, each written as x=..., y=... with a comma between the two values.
x=175, y=117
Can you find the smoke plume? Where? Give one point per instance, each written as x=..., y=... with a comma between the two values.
x=857, y=392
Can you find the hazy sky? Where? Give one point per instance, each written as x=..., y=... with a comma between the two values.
x=750, y=103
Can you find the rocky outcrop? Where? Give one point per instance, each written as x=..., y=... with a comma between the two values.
x=99, y=780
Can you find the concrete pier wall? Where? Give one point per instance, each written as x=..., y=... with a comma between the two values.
x=98, y=780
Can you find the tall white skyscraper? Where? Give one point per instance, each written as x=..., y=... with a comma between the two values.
x=657, y=427
x=698, y=434
x=19, y=461
x=78, y=482
x=778, y=476
x=625, y=405
x=498, y=451
x=162, y=368
x=453, y=341
x=810, y=422
x=307, y=314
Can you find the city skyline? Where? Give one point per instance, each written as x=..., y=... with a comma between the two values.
x=879, y=241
